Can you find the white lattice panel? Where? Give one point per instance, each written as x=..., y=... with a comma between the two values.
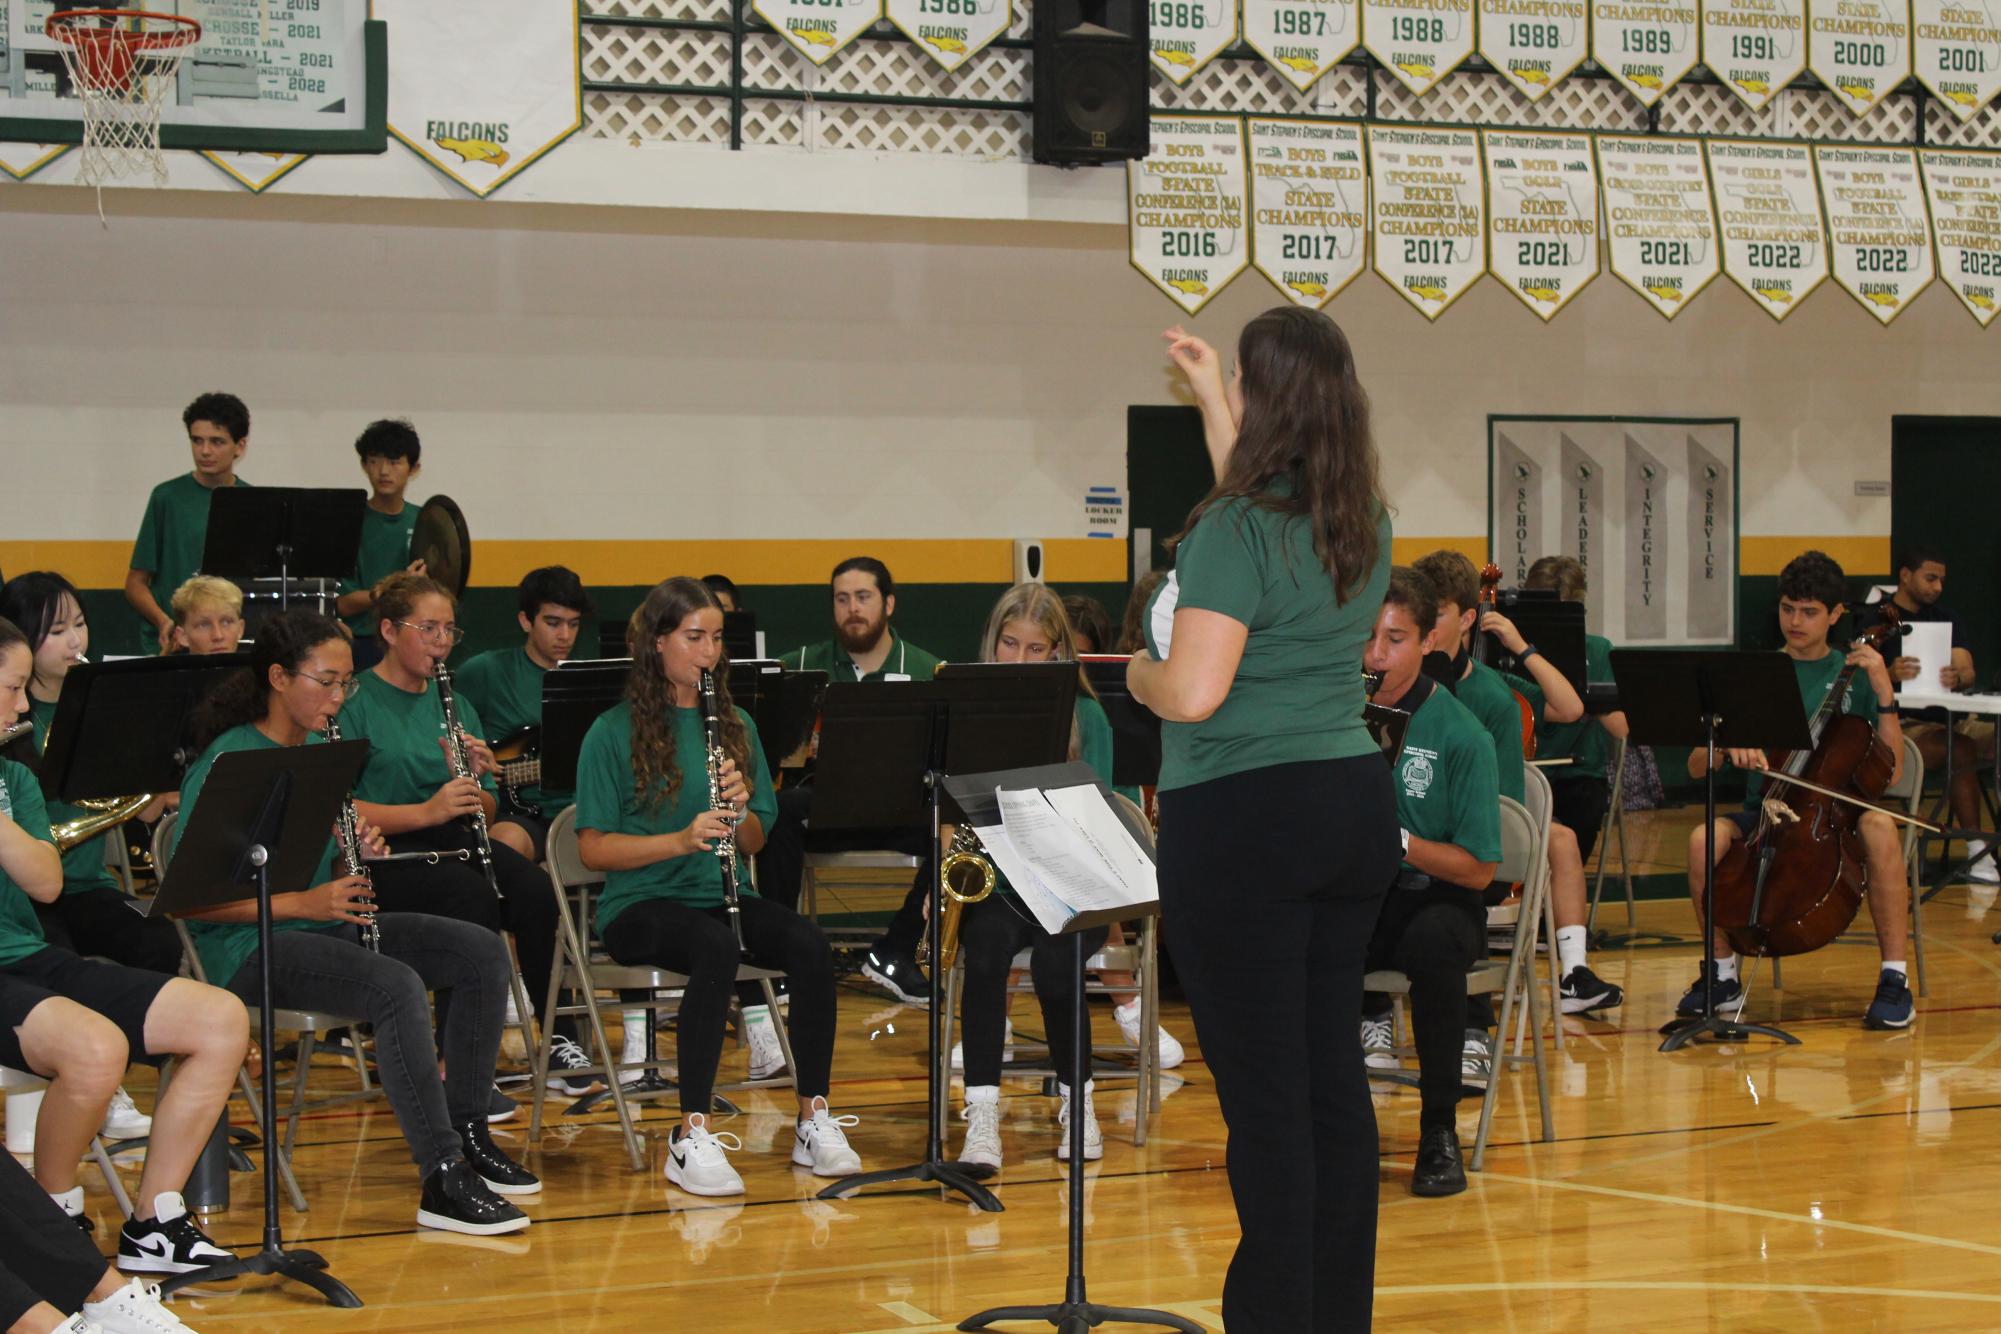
x=1249, y=86
x=1713, y=110
x=1822, y=116
x=901, y=69
x=614, y=54
x=769, y=62
x=678, y=11
x=640, y=118
x=774, y=123
x=1944, y=129
x=995, y=135
x=1468, y=98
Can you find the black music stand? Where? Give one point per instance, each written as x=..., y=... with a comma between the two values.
x=885, y=748
x=740, y=636
x=1555, y=628
x=1135, y=727
x=123, y=727
x=291, y=532
x=1076, y=1313
x=261, y=827
x=1717, y=700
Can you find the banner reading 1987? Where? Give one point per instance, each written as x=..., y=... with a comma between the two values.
x=1185, y=204
x=1427, y=213
x=1533, y=44
x=1542, y=216
x=1419, y=41
x=1646, y=45
x=1756, y=47
x=1660, y=218
x=1861, y=49
x=1956, y=52
x=1303, y=39
x=1879, y=238
x=1965, y=193
x=1768, y=203
x=1309, y=206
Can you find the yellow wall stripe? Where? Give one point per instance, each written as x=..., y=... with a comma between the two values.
x=1855, y=555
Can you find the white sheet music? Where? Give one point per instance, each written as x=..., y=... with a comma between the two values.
x=1049, y=910
x=1930, y=642
x=1085, y=808
x=1067, y=861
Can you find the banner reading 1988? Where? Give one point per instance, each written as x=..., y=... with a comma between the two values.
x=1427, y=213
x=1185, y=35
x=1768, y=203
x=1419, y=41
x=1756, y=47
x=1646, y=45
x=1533, y=44
x=1185, y=203
x=1303, y=39
x=1309, y=206
x=1861, y=49
x=1660, y=218
x=1542, y=216
x=1879, y=238
x=1956, y=52
x=1965, y=192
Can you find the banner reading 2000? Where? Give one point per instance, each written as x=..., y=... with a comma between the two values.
x=1647, y=505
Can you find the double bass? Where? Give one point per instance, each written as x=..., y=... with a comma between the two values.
x=1794, y=885
x=1490, y=584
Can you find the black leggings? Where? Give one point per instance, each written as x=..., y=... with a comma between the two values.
x=103, y=922
x=665, y=933
x=1270, y=881
x=1433, y=936
x=991, y=933
x=43, y=1258
x=1579, y=804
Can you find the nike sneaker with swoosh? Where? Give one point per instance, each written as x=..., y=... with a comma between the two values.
x=168, y=1242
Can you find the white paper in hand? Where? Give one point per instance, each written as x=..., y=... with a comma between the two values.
x=1930, y=642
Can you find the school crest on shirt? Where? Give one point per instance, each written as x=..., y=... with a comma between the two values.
x=1417, y=770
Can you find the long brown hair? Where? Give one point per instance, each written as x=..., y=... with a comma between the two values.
x=1036, y=602
x=656, y=771
x=1306, y=418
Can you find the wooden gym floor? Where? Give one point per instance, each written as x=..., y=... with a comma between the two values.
x=1846, y=1184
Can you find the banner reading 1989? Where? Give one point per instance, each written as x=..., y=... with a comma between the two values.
x=1956, y=52
x=1303, y=39
x=1309, y=206
x=1878, y=236
x=1756, y=47
x=1185, y=203
x=1646, y=45
x=1542, y=216
x=1861, y=49
x=1660, y=218
x=1768, y=203
x=1427, y=213
x=1965, y=192
x=1419, y=41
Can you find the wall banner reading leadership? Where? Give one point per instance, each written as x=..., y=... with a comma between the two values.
x=951, y=32
x=1660, y=218
x=1185, y=35
x=1879, y=239
x=1185, y=204
x=1956, y=52
x=1309, y=206
x=1768, y=204
x=1646, y=45
x=1965, y=193
x=1533, y=44
x=1419, y=41
x=1647, y=505
x=1861, y=49
x=1303, y=39
x=1756, y=47
x=1427, y=213
x=1542, y=216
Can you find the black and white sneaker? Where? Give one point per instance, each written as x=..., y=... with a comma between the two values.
x=500, y=1107
x=502, y=1175
x=898, y=974
x=456, y=1200
x=168, y=1242
x=1892, y=1006
x=1729, y=995
x=565, y=1056
x=1583, y=990
x=71, y=1203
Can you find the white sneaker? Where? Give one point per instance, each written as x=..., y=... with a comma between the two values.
x=699, y=1162
x=982, y=1116
x=1007, y=1047
x=1981, y=872
x=123, y=1119
x=1094, y=1139
x=822, y=1143
x=135, y=1308
x=634, y=1049
x=1128, y=1016
x=767, y=1058
x=513, y=1019
x=1379, y=1037
x=1476, y=1061
x=79, y=1324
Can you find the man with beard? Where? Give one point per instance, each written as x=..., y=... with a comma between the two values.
x=864, y=648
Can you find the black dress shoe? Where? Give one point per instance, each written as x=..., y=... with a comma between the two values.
x=503, y=1176
x=1440, y=1170
x=456, y=1200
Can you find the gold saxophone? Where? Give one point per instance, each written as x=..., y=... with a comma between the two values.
x=964, y=861
x=105, y=812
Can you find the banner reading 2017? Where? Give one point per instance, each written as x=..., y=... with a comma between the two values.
x=1309, y=206
x=1427, y=213
x=1185, y=204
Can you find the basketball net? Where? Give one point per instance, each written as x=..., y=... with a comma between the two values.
x=123, y=66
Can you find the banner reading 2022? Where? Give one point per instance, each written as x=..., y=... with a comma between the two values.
x=1427, y=213
x=1965, y=193
x=1768, y=202
x=1309, y=206
x=1542, y=216
x=1185, y=203
x=1879, y=238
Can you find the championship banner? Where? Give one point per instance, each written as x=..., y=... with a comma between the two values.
x=1427, y=213
x=1965, y=193
x=23, y=160
x=1647, y=45
x=1303, y=39
x=1309, y=206
x=951, y=32
x=1768, y=204
x=1647, y=505
x=1534, y=43
x=482, y=88
x=1756, y=47
x=817, y=29
x=1542, y=216
x=1879, y=237
x=1419, y=41
x=1185, y=205
x=1861, y=49
x=1956, y=52
x=1185, y=35
x=1660, y=218
x=255, y=172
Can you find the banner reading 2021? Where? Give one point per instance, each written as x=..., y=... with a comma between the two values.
x=1768, y=202
x=1309, y=206
x=1879, y=238
x=1427, y=213
x=1660, y=218
x=1185, y=204
x=1542, y=216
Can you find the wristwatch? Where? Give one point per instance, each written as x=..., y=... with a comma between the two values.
x=1528, y=651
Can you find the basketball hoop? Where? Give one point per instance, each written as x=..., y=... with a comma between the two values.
x=123, y=65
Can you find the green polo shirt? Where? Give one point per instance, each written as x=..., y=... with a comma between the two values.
x=385, y=549
x=223, y=946
x=506, y=685
x=606, y=803
x=1446, y=786
x=1490, y=697
x=1584, y=741
x=172, y=533
x=405, y=765
x=21, y=801
x=906, y=661
x=1815, y=679
x=1297, y=694
x=83, y=865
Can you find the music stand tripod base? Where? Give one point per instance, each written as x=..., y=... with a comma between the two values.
x=1684, y=1031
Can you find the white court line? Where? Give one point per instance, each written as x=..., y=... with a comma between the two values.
x=909, y=1314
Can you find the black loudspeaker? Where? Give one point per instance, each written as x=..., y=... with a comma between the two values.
x=1090, y=81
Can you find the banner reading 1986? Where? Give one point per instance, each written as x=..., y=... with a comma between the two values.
x=1646, y=45
x=1660, y=218
x=1965, y=192
x=1768, y=204
x=1879, y=238
x=1309, y=206
x=1533, y=44
x=1542, y=216
x=1756, y=47
x=1303, y=39
x=1861, y=49
x=1185, y=35
x=1185, y=203
x=1427, y=213
x=951, y=32
x=1956, y=52
x=1419, y=41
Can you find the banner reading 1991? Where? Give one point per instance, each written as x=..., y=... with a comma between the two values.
x=1309, y=206
x=1542, y=216
x=1427, y=213
x=1768, y=203
x=1185, y=205
x=1756, y=47
x=1879, y=238
x=1965, y=192
x=1660, y=218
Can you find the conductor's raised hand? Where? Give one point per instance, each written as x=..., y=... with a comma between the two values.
x=703, y=831
x=458, y=797
x=1198, y=362
x=348, y=899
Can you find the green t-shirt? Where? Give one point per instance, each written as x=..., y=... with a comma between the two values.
x=223, y=946
x=172, y=533
x=1815, y=679
x=83, y=865
x=405, y=763
x=606, y=803
x=1490, y=697
x=906, y=661
x=1298, y=691
x=21, y=801
x=1446, y=787
x=506, y=685
x=385, y=549
x=1585, y=740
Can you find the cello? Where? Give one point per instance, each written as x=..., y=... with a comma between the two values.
x=1490, y=585
x=1794, y=885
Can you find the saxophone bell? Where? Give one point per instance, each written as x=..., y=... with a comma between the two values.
x=964, y=876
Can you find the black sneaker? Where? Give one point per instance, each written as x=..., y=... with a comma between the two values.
x=502, y=1175
x=566, y=1056
x=169, y=1242
x=1440, y=1171
x=456, y=1200
x=898, y=974
x=1893, y=1006
x=500, y=1107
x=1729, y=994
x=1584, y=990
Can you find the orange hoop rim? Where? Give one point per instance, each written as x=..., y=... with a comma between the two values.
x=65, y=26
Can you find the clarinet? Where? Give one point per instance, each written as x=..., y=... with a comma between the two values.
x=348, y=828
x=712, y=728
x=461, y=766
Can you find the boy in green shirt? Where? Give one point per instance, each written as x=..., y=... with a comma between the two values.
x=169, y=546
x=390, y=452
x=1813, y=594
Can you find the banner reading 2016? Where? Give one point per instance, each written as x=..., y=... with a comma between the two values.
x=1965, y=192
x=1756, y=47
x=1861, y=49
x=1956, y=52
x=1768, y=203
x=1427, y=213
x=1419, y=41
x=1185, y=204
x=1542, y=216
x=1534, y=43
x=1185, y=35
x=1661, y=220
x=1646, y=45
x=1878, y=235
x=1303, y=39
x=1309, y=206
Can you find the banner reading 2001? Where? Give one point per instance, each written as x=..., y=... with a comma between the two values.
x=1185, y=204
x=1309, y=206
x=1956, y=52
x=1427, y=213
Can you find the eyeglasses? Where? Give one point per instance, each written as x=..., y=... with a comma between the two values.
x=437, y=634
x=340, y=685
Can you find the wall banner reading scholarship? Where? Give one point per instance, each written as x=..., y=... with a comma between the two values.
x=1542, y=216
x=1660, y=218
x=1756, y=47
x=1965, y=193
x=1419, y=41
x=1861, y=49
x=1879, y=238
x=1647, y=505
x=1956, y=52
x=1185, y=203
x=1303, y=39
x=1427, y=213
x=1309, y=206
x=1535, y=43
x=818, y=30
x=1646, y=45
x=951, y=32
x=1185, y=35
x=1768, y=205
